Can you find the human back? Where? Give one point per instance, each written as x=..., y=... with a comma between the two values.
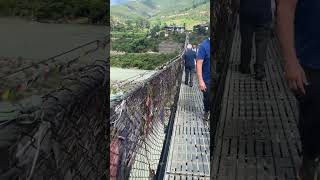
x=190, y=57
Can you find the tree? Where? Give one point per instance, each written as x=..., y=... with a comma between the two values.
x=154, y=30
x=95, y=10
x=129, y=24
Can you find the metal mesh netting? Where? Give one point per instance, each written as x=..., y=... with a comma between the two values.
x=139, y=124
x=223, y=22
x=63, y=135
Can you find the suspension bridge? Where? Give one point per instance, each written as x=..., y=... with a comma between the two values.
x=157, y=131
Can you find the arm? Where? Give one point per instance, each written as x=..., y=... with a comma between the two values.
x=286, y=11
x=202, y=85
x=294, y=73
x=200, y=58
x=184, y=59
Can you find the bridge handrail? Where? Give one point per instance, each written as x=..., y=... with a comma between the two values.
x=138, y=117
x=125, y=82
x=53, y=58
x=159, y=70
x=65, y=136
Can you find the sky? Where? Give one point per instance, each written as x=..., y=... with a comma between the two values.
x=115, y=2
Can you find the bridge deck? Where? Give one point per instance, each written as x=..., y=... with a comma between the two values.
x=189, y=149
x=257, y=136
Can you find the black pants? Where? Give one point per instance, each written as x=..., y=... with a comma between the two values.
x=189, y=73
x=309, y=119
x=262, y=33
x=206, y=97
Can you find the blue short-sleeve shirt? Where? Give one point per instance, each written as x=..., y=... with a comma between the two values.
x=307, y=33
x=256, y=11
x=204, y=54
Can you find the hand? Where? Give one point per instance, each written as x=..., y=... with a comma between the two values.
x=296, y=77
x=202, y=86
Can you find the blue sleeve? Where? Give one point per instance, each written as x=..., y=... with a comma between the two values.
x=201, y=53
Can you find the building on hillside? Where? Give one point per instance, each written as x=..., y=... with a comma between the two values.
x=201, y=28
x=179, y=29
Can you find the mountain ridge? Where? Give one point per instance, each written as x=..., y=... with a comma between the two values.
x=159, y=9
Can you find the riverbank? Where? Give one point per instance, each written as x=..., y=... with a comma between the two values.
x=84, y=21
x=75, y=21
x=123, y=80
x=145, y=61
x=121, y=74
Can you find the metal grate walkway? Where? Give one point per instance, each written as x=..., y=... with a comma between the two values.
x=257, y=136
x=189, y=154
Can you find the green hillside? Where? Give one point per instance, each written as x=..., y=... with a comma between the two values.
x=178, y=12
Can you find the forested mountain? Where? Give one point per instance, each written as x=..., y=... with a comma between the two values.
x=63, y=10
x=151, y=8
x=189, y=12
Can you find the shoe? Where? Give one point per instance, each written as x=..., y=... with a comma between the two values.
x=206, y=116
x=244, y=69
x=191, y=85
x=309, y=170
x=260, y=76
x=259, y=72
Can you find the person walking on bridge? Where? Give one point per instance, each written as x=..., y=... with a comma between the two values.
x=194, y=48
x=255, y=18
x=204, y=76
x=190, y=60
x=299, y=35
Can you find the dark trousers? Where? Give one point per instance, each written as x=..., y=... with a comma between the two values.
x=262, y=33
x=309, y=119
x=206, y=97
x=189, y=73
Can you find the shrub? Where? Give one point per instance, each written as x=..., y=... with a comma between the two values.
x=141, y=61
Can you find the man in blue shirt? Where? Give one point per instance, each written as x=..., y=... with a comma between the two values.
x=299, y=34
x=255, y=18
x=203, y=73
x=190, y=63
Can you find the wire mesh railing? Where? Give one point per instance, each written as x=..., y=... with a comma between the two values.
x=223, y=21
x=63, y=137
x=139, y=124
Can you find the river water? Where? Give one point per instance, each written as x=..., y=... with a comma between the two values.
x=120, y=74
x=34, y=40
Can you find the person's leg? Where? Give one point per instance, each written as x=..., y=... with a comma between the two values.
x=246, y=32
x=191, y=76
x=206, y=101
x=261, y=40
x=309, y=125
x=187, y=72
